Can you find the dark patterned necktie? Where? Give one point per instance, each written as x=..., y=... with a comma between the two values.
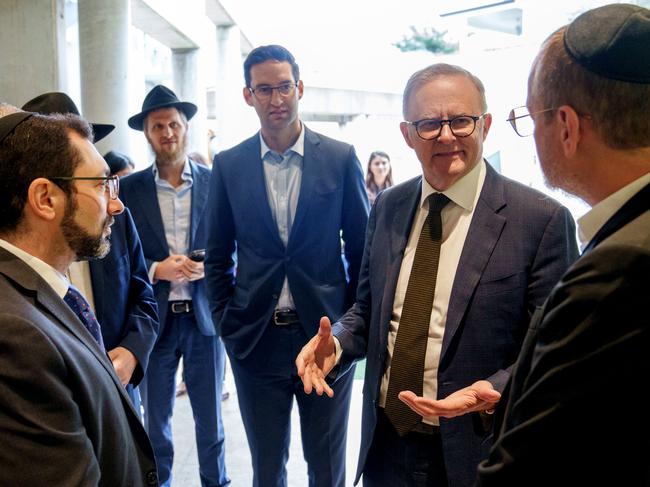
x=81, y=308
x=407, y=365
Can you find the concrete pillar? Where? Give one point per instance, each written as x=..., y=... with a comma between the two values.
x=189, y=85
x=33, y=53
x=104, y=65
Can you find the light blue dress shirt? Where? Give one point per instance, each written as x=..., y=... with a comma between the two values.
x=176, y=211
x=283, y=175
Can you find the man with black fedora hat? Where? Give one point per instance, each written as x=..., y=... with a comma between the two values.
x=572, y=413
x=117, y=286
x=64, y=415
x=167, y=201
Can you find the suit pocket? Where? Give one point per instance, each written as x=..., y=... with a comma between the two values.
x=490, y=285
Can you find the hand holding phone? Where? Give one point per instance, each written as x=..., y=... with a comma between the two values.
x=197, y=255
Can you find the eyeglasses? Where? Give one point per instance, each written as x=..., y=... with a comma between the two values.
x=109, y=183
x=522, y=122
x=264, y=93
x=461, y=126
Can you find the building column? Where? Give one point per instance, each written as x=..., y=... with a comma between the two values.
x=33, y=58
x=104, y=63
x=189, y=86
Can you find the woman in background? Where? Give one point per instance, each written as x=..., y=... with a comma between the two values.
x=379, y=174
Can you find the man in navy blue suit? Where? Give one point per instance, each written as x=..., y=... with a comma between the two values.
x=117, y=286
x=167, y=201
x=283, y=200
x=498, y=248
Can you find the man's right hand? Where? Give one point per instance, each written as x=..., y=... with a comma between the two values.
x=316, y=359
x=171, y=269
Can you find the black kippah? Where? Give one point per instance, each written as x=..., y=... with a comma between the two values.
x=9, y=122
x=612, y=41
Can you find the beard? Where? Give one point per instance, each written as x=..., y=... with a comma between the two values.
x=166, y=157
x=85, y=245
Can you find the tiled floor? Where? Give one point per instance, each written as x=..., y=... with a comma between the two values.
x=185, y=469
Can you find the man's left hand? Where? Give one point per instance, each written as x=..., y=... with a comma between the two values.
x=480, y=396
x=124, y=363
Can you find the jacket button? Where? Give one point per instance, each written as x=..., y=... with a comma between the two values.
x=152, y=477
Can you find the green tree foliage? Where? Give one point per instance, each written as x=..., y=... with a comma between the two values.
x=429, y=39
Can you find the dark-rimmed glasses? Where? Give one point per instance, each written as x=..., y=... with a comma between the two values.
x=264, y=93
x=522, y=121
x=110, y=183
x=461, y=126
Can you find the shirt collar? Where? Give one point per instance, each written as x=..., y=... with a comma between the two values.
x=186, y=175
x=298, y=147
x=594, y=219
x=49, y=274
x=463, y=192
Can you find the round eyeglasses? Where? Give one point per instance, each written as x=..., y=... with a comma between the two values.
x=461, y=126
x=522, y=121
x=264, y=92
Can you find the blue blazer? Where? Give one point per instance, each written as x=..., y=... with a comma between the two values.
x=138, y=192
x=518, y=245
x=124, y=300
x=332, y=205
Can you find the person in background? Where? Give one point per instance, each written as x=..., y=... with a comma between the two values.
x=573, y=412
x=168, y=201
x=121, y=165
x=283, y=199
x=116, y=286
x=455, y=263
x=379, y=174
x=64, y=414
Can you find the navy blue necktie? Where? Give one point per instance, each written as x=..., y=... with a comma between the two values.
x=81, y=308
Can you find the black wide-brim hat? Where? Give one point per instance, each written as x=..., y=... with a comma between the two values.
x=56, y=102
x=161, y=97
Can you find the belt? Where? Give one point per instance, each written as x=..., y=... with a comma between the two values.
x=285, y=316
x=178, y=307
x=426, y=429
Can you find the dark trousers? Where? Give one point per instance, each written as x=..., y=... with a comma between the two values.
x=415, y=460
x=267, y=384
x=203, y=362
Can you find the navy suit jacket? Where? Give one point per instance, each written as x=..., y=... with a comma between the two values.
x=65, y=418
x=138, y=192
x=124, y=302
x=586, y=353
x=518, y=245
x=332, y=204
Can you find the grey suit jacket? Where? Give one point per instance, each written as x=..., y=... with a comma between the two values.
x=65, y=419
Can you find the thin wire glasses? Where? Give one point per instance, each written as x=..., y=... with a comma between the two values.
x=109, y=183
x=522, y=122
x=461, y=126
x=264, y=93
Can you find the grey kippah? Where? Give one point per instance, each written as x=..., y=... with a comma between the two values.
x=9, y=122
x=612, y=41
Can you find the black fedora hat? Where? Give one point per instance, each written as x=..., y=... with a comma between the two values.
x=56, y=102
x=161, y=97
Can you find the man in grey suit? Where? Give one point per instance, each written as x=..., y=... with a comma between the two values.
x=573, y=412
x=455, y=263
x=65, y=417
x=283, y=199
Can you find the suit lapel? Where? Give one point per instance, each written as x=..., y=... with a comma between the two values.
x=145, y=197
x=311, y=162
x=200, y=187
x=400, y=228
x=484, y=231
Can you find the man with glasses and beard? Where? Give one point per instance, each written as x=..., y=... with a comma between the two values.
x=116, y=286
x=284, y=199
x=455, y=262
x=64, y=415
x=167, y=202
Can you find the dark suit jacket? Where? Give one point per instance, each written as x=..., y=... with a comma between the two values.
x=138, y=192
x=332, y=204
x=575, y=412
x=124, y=302
x=518, y=245
x=65, y=419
